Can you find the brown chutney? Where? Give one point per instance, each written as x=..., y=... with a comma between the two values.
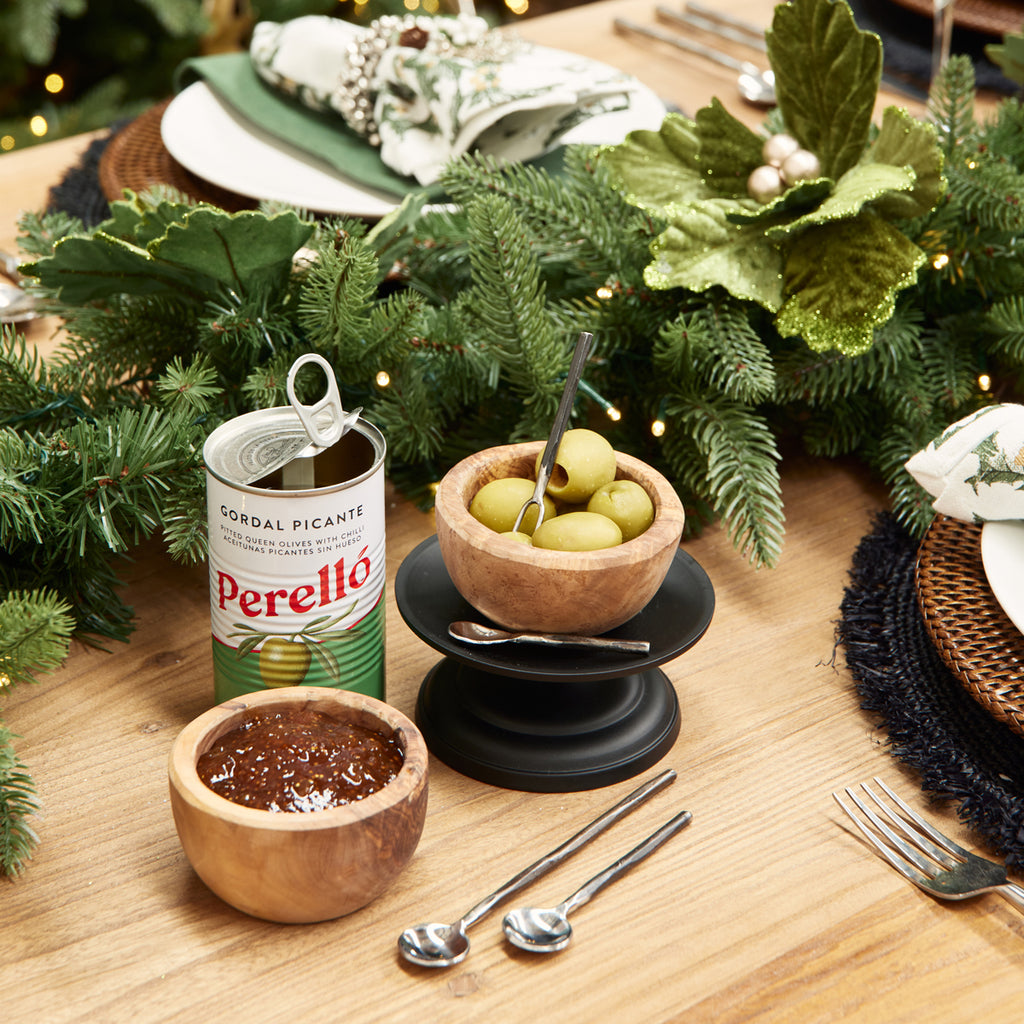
x=299, y=760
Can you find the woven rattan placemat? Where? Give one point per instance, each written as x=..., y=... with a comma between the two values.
x=933, y=724
x=969, y=628
x=136, y=159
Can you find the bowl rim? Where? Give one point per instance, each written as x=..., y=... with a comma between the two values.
x=665, y=530
x=199, y=734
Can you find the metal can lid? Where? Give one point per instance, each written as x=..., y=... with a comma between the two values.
x=253, y=445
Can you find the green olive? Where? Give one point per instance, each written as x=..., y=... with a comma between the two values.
x=577, y=531
x=497, y=504
x=283, y=662
x=627, y=504
x=518, y=536
x=585, y=461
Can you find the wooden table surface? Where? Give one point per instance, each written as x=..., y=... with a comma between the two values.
x=765, y=909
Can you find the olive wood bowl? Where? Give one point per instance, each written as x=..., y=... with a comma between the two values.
x=526, y=588
x=298, y=866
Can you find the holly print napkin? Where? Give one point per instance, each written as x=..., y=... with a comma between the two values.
x=975, y=468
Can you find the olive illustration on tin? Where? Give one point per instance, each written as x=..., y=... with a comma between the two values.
x=285, y=658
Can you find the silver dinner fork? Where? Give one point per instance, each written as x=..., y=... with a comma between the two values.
x=930, y=860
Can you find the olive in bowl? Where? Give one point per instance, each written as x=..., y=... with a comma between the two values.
x=520, y=586
x=306, y=861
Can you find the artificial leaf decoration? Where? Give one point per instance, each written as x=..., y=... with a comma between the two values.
x=655, y=169
x=906, y=142
x=702, y=248
x=827, y=71
x=841, y=282
x=170, y=249
x=1008, y=56
x=728, y=152
x=826, y=79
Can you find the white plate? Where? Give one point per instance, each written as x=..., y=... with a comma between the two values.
x=212, y=141
x=1002, y=554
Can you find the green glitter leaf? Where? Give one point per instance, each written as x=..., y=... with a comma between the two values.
x=655, y=169
x=803, y=195
x=826, y=79
x=729, y=150
x=701, y=248
x=853, y=191
x=906, y=142
x=841, y=281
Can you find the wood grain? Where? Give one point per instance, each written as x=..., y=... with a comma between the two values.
x=766, y=909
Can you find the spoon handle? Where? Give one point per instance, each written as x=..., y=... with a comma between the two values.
x=687, y=45
x=624, y=863
x=570, y=846
x=605, y=643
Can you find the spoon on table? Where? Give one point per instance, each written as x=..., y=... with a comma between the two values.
x=478, y=633
x=16, y=305
x=756, y=86
x=443, y=945
x=547, y=929
x=550, y=453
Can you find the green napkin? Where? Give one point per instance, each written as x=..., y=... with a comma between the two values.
x=232, y=77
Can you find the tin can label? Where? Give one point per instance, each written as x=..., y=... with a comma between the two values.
x=297, y=576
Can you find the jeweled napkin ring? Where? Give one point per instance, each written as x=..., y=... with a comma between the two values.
x=469, y=37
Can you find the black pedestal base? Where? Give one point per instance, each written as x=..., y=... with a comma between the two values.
x=547, y=737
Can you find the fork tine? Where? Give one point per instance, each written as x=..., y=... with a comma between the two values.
x=902, y=866
x=910, y=853
x=927, y=847
x=944, y=841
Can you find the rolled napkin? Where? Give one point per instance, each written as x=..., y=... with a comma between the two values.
x=975, y=468
x=429, y=89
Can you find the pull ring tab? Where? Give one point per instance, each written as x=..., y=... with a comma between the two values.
x=322, y=437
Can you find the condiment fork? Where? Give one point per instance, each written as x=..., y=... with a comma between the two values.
x=930, y=860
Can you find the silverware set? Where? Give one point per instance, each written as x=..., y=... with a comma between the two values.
x=541, y=929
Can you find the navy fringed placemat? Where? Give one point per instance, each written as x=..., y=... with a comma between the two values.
x=934, y=725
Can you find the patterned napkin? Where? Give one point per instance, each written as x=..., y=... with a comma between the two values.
x=429, y=89
x=975, y=468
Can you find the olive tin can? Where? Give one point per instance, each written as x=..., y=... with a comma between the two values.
x=297, y=570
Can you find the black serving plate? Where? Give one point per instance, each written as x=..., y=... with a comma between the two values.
x=550, y=719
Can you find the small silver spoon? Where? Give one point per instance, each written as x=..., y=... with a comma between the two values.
x=547, y=929
x=443, y=945
x=477, y=633
x=16, y=305
x=550, y=454
x=756, y=86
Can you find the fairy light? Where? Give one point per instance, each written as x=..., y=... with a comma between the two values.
x=984, y=382
x=53, y=83
x=38, y=126
x=941, y=260
x=7, y=142
x=519, y=7
x=605, y=293
x=609, y=409
x=383, y=379
x=658, y=423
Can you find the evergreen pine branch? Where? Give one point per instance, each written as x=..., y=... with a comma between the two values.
x=742, y=477
x=35, y=630
x=507, y=300
x=951, y=104
x=1006, y=318
x=18, y=839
